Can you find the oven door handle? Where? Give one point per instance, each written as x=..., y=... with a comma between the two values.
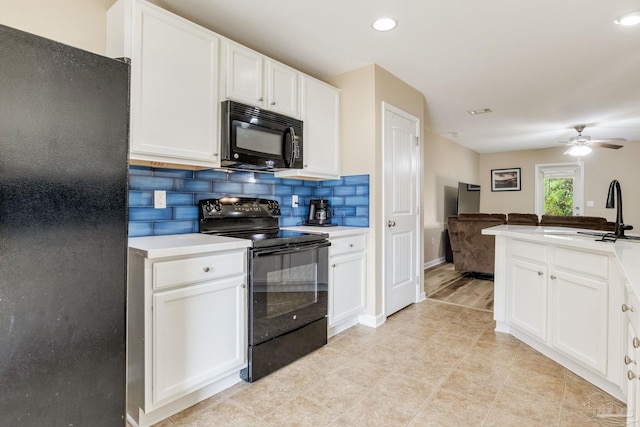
x=289, y=249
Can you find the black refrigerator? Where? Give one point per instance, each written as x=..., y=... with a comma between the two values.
x=64, y=125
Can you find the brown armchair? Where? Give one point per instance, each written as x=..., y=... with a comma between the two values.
x=473, y=252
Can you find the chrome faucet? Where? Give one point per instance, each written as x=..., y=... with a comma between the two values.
x=611, y=202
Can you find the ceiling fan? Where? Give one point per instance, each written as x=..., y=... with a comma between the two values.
x=581, y=144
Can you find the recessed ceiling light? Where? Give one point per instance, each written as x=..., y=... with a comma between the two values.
x=628, y=19
x=480, y=111
x=384, y=24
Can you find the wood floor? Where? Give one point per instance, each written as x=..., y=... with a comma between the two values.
x=443, y=283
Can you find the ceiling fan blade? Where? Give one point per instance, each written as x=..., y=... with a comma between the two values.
x=609, y=140
x=605, y=145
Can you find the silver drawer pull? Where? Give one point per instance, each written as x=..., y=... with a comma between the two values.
x=553, y=277
x=350, y=245
x=206, y=269
x=631, y=375
x=629, y=361
x=636, y=342
x=540, y=273
x=626, y=308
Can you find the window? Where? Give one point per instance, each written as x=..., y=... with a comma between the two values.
x=559, y=189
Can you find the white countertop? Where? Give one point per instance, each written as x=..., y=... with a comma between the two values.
x=335, y=231
x=626, y=251
x=184, y=244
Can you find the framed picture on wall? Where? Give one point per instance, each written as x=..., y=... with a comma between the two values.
x=505, y=179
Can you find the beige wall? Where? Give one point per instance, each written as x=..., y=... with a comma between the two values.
x=362, y=92
x=600, y=167
x=79, y=23
x=445, y=163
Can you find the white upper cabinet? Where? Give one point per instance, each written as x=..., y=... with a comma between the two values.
x=320, y=110
x=244, y=74
x=254, y=79
x=282, y=89
x=174, y=84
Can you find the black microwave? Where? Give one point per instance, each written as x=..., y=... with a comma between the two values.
x=258, y=139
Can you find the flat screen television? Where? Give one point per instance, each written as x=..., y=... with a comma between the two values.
x=468, y=198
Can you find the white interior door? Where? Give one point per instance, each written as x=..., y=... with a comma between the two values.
x=401, y=200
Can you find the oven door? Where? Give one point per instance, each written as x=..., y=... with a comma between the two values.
x=288, y=289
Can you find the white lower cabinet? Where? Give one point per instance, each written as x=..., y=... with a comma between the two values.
x=198, y=334
x=347, y=281
x=528, y=302
x=631, y=374
x=579, y=309
x=564, y=302
x=186, y=330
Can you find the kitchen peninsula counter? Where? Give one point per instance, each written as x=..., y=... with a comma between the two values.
x=627, y=252
x=564, y=293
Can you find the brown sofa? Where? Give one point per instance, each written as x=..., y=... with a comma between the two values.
x=473, y=252
x=588, y=222
x=522, y=219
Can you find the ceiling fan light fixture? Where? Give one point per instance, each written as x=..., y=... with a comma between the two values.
x=384, y=24
x=628, y=19
x=580, y=150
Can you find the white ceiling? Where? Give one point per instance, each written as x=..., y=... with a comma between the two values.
x=542, y=66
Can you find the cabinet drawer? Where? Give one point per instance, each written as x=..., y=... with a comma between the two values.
x=190, y=270
x=527, y=250
x=582, y=262
x=342, y=245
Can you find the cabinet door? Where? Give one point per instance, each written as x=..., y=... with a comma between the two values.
x=527, y=297
x=320, y=114
x=244, y=75
x=579, y=313
x=282, y=89
x=631, y=371
x=346, y=287
x=174, y=88
x=198, y=336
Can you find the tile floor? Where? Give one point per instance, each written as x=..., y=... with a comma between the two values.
x=431, y=364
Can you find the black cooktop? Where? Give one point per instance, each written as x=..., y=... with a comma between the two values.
x=255, y=219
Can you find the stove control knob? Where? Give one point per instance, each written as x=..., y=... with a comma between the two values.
x=208, y=207
x=218, y=206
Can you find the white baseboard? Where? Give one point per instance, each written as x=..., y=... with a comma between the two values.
x=372, y=321
x=434, y=262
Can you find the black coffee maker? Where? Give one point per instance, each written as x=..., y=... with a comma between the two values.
x=319, y=213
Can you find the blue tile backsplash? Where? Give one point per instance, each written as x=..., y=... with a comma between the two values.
x=348, y=197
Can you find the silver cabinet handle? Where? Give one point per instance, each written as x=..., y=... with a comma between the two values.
x=626, y=308
x=636, y=342
x=244, y=285
x=206, y=269
x=391, y=223
x=333, y=266
x=629, y=361
x=350, y=245
x=553, y=277
x=540, y=273
x=273, y=102
x=261, y=99
x=631, y=375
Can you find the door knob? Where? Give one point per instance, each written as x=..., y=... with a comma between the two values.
x=391, y=223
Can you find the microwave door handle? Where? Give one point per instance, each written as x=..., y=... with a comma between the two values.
x=290, y=152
